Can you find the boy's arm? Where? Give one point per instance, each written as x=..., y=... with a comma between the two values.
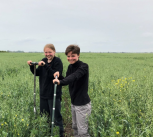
x=58, y=75
x=82, y=70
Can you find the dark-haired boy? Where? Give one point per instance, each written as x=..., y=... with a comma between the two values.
x=77, y=76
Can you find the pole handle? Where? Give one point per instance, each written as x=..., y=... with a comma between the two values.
x=35, y=63
x=56, y=78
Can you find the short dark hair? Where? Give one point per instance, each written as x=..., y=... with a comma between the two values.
x=74, y=48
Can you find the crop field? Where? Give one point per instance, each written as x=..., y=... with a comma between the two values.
x=120, y=88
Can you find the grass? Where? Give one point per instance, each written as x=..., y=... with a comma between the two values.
x=120, y=88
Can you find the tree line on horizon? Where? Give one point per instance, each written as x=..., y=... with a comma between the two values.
x=19, y=51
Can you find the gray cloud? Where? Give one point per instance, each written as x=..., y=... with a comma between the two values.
x=95, y=25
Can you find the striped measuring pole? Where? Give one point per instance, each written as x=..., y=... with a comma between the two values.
x=34, y=63
x=53, y=112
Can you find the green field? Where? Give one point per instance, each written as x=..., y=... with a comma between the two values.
x=120, y=88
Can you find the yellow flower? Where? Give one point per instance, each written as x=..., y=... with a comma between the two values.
x=133, y=80
x=27, y=125
x=16, y=115
x=2, y=124
x=22, y=119
x=117, y=133
x=5, y=123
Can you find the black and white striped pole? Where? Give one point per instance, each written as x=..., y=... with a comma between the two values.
x=53, y=111
x=34, y=63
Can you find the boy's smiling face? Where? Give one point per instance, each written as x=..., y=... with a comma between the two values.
x=72, y=57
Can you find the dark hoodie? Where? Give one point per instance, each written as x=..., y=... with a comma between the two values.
x=46, y=77
x=77, y=78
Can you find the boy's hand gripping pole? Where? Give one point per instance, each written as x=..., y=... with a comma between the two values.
x=53, y=111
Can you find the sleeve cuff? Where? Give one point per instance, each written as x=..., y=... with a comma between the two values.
x=61, y=83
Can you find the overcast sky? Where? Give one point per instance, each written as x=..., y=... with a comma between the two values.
x=95, y=25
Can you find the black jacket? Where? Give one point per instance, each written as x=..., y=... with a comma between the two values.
x=77, y=78
x=46, y=77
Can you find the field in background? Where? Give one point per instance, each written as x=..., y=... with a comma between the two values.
x=120, y=88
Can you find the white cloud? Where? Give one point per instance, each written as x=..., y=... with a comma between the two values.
x=110, y=25
x=148, y=34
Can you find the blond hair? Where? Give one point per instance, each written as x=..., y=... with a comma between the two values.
x=51, y=46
